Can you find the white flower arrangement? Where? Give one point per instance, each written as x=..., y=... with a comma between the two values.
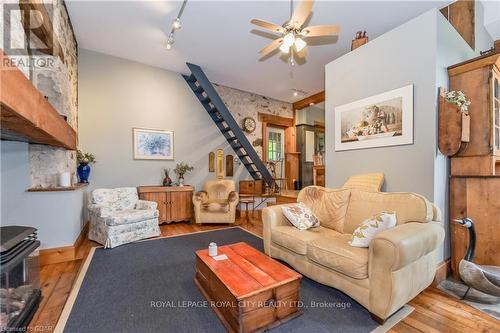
x=458, y=98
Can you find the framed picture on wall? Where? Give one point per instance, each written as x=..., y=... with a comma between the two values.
x=378, y=121
x=153, y=144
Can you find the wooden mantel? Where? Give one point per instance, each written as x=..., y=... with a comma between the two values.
x=25, y=115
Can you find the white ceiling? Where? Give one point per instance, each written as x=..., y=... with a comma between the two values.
x=218, y=36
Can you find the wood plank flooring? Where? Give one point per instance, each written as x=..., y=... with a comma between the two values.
x=434, y=310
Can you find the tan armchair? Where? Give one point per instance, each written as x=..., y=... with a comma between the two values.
x=216, y=203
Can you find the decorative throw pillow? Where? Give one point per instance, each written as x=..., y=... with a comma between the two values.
x=300, y=216
x=366, y=231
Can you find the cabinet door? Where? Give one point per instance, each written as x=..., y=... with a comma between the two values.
x=161, y=200
x=181, y=206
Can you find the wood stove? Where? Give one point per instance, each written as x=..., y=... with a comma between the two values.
x=19, y=277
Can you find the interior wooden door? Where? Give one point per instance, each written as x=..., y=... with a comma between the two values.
x=161, y=199
x=181, y=206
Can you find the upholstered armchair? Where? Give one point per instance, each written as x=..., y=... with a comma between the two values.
x=216, y=203
x=117, y=217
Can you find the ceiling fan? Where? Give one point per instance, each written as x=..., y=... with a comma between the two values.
x=293, y=32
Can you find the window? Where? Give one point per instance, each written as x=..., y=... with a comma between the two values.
x=275, y=144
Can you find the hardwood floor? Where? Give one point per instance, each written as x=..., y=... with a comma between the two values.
x=434, y=310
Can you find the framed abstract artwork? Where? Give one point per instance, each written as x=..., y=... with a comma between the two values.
x=378, y=121
x=153, y=144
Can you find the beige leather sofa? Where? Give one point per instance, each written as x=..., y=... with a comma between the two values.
x=399, y=264
x=216, y=203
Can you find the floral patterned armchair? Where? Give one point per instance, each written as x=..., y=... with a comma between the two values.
x=117, y=217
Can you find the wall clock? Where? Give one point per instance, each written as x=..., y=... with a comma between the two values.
x=249, y=124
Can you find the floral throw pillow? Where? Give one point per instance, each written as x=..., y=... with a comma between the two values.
x=366, y=231
x=300, y=216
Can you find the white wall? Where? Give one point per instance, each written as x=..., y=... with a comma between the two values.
x=417, y=52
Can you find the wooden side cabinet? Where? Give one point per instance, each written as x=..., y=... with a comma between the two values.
x=174, y=202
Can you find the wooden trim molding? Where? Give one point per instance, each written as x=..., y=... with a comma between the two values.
x=275, y=120
x=442, y=272
x=315, y=99
x=64, y=253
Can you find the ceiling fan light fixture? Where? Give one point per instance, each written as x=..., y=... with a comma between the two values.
x=299, y=44
x=284, y=48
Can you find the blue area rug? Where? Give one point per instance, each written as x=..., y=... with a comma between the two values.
x=148, y=287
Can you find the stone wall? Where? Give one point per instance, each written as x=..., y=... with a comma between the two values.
x=57, y=80
x=243, y=104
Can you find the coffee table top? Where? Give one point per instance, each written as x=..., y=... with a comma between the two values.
x=247, y=270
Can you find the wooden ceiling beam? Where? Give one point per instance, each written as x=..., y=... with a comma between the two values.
x=25, y=112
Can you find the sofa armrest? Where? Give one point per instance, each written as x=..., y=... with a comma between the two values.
x=233, y=199
x=405, y=244
x=146, y=205
x=99, y=210
x=402, y=263
x=272, y=217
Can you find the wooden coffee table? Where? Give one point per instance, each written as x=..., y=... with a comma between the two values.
x=249, y=291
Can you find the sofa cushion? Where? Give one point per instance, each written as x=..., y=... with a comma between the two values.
x=296, y=240
x=329, y=205
x=128, y=216
x=215, y=206
x=408, y=207
x=336, y=253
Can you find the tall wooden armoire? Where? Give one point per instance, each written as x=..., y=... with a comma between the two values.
x=475, y=169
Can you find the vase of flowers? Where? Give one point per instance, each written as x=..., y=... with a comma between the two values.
x=83, y=170
x=457, y=98
x=167, y=181
x=181, y=169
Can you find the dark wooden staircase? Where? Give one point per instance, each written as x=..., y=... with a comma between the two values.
x=223, y=119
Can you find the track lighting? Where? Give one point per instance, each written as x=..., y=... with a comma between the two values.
x=176, y=24
x=170, y=41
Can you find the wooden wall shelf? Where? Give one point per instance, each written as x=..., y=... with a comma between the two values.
x=58, y=189
x=26, y=115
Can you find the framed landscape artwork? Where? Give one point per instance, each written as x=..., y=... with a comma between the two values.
x=153, y=144
x=378, y=121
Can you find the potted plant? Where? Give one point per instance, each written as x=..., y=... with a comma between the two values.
x=84, y=159
x=167, y=181
x=181, y=169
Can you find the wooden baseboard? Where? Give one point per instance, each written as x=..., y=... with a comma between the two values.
x=442, y=272
x=64, y=253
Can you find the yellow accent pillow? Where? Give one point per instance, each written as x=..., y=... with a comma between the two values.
x=370, y=182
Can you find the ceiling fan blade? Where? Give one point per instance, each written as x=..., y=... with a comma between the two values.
x=301, y=13
x=269, y=26
x=271, y=47
x=320, y=30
